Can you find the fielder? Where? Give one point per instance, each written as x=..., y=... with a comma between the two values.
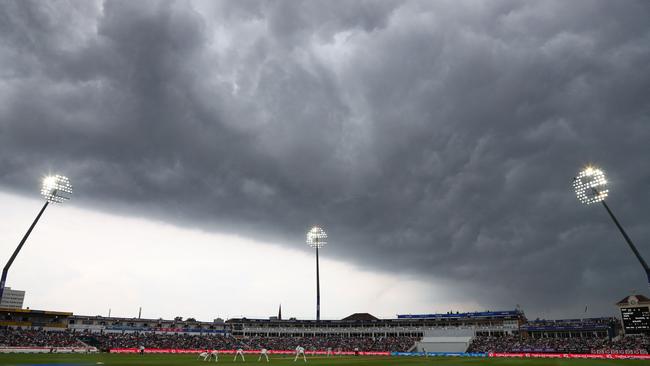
x=214, y=354
x=329, y=351
x=300, y=351
x=240, y=352
x=265, y=353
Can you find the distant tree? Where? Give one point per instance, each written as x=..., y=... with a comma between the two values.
x=190, y=320
x=178, y=319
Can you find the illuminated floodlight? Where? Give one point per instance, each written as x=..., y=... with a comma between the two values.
x=590, y=185
x=316, y=237
x=56, y=189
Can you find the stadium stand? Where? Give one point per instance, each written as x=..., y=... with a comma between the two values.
x=489, y=331
x=186, y=341
x=151, y=340
x=38, y=338
x=50, y=320
x=514, y=344
x=107, y=341
x=598, y=327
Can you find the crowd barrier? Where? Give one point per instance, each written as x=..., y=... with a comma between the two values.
x=526, y=355
x=439, y=354
x=47, y=349
x=398, y=354
x=232, y=351
x=616, y=356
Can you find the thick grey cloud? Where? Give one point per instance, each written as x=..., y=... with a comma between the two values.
x=437, y=139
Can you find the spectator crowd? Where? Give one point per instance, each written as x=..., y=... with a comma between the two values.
x=504, y=344
x=37, y=338
x=336, y=343
x=105, y=341
x=185, y=341
x=507, y=344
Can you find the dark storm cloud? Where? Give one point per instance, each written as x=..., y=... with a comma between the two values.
x=437, y=139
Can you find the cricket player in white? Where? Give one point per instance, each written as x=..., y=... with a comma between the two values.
x=238, y=353
x=300, y=351
x=329, y=351
x=207, y=356
x=214, y=354
x=264, y=353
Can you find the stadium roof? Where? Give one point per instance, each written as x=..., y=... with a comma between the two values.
x=35, y=312
x=451, y=315
x=361, y=316
x=633, y=300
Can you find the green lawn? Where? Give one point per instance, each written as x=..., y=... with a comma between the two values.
x=184, y=360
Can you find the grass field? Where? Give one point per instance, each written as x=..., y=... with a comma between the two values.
x=185, y=360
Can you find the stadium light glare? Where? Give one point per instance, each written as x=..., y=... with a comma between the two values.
x=591, y=187
x=317, y=238
x=55, y=189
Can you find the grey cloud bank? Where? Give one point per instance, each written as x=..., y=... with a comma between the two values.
x=431, y=138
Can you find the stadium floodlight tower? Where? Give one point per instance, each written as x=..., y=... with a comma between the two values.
x=55, y=189
x=591, y=187
x=317, y=238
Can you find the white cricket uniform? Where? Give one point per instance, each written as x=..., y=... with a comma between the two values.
x=300, y=351
x=203, y=355
x=329, y=351
x=263, y=352
x=214, y=354
x=240, y=352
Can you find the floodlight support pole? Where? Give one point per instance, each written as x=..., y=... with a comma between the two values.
x=317, y=288
x=629, y=242
x=5, y=270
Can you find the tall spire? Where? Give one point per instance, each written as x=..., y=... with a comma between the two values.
x=280, y=312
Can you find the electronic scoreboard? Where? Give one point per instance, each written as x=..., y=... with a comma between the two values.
x=636, y=319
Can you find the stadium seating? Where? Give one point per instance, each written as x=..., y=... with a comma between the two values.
x=447, y=340
x=508, y=344
x=186, y=341
x=38, y=338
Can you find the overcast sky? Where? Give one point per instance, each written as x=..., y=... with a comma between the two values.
x=435, y=141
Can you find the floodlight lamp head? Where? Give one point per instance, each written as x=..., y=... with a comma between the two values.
x=56, y=189
x=590, y=185
x=316, y=237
